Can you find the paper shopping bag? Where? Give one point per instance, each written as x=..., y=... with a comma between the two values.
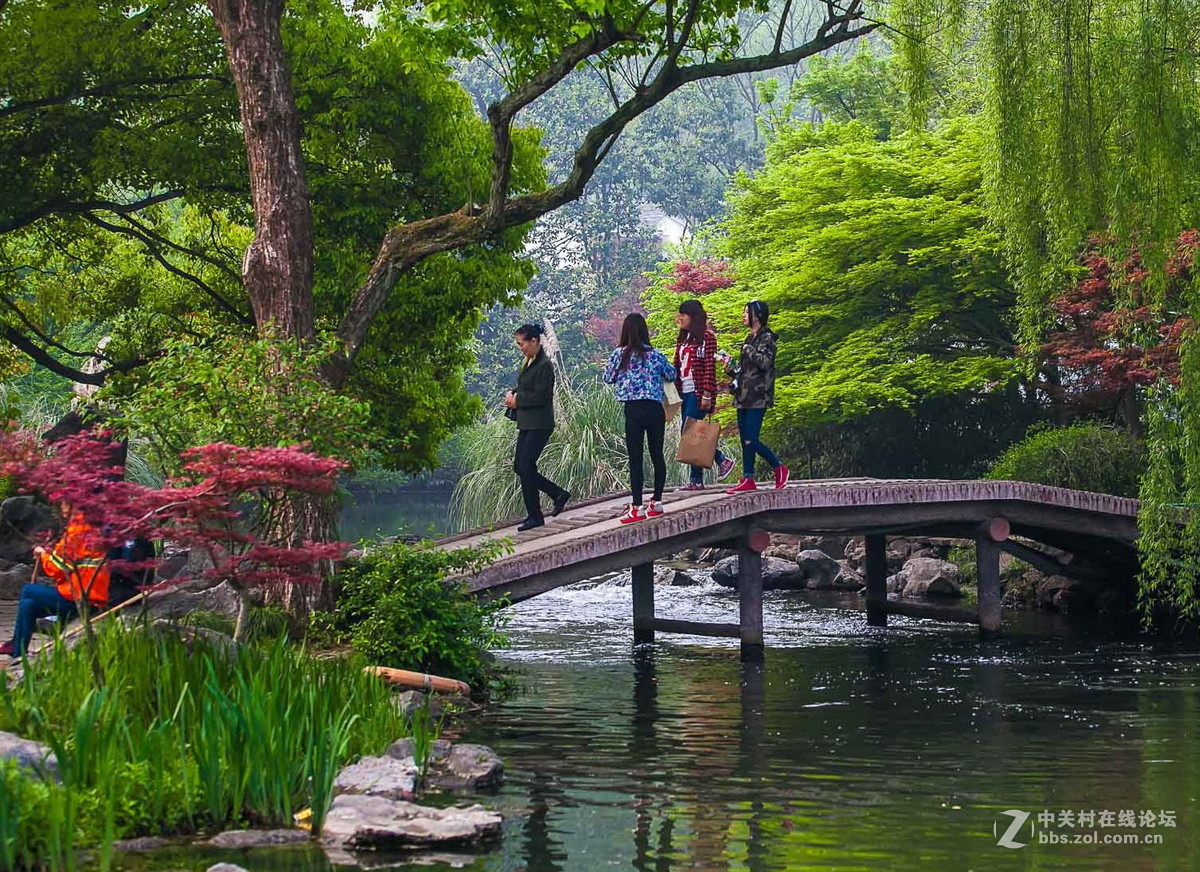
x=672, y=402
x=698, y=444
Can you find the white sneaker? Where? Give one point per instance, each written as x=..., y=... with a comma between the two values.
x=632, y=514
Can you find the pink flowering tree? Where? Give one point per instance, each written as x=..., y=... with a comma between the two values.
x=231, y=504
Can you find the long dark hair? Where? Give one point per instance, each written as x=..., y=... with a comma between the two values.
x=697, y=324
x=635, y=336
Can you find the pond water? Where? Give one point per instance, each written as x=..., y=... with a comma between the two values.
x=851, y=748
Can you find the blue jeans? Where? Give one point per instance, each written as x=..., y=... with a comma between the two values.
x=691, y=409
x=38, y=601
x=749, y=428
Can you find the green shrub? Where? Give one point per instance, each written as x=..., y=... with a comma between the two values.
x=396, y=607
x=1084, y=456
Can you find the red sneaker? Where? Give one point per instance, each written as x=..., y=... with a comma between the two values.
x=782, y=474
x=744, y=486
x=8, y=649
x=632, y=514
x=653, y=509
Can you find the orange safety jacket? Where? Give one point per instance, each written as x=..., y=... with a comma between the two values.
x=78, y=567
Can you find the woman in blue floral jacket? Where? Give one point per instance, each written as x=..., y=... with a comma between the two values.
x=639, y=371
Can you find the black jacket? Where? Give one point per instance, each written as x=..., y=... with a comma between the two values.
x=535, y=394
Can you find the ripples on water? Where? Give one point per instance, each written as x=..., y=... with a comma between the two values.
x=851, y=748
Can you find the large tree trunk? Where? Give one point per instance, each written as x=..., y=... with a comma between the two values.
x=278, y=269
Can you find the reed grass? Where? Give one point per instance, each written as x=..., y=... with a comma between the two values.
x=586, y=455
x=185, y=736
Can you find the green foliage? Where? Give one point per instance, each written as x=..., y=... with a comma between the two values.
x=397, y=607
x=885, y=283
x=863, y=88
x=1083, y=456
x=240, y=390
x=210, y=736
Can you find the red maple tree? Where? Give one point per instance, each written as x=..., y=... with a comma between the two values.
x=695, y=278
x=229, y=503
x=1113, y=335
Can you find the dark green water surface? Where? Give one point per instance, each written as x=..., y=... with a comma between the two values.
x=849, y=749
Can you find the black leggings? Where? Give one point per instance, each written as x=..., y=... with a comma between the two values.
x=645, y=418
x=530, y=444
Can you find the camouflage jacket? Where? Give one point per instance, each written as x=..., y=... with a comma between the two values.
x=754, y=376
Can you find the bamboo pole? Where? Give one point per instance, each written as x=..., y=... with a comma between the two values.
x=420, y=680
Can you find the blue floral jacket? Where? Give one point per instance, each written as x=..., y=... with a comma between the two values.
x=642, y=379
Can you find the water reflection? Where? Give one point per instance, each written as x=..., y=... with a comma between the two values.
x=848, y=748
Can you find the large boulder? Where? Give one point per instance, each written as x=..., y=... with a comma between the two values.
x=176, y=602
x=672, y=577
x=820, y=570
x=242, y=840
x=21, y=518
x=357, y=822
x=28, y=754
x=929, y=577
x=777, y=573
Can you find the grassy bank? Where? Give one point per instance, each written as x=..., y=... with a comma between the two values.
x=180, y=737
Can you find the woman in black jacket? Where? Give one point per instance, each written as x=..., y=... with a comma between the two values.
x=533, y=404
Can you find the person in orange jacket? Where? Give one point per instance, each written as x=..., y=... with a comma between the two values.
x=78, y=566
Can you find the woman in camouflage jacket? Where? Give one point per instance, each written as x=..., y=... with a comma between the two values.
x=754, y=393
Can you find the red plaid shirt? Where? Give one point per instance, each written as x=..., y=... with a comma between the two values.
x=704, y=365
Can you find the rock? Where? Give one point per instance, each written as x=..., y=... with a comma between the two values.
x=855, y=552
x=171, y=562
x=387, y=777
x=778, y=574
x=225, y=867
x=819, y=569
x=243, y=839
x=13, y=579
x=679, y=578
x=411, y=701
x=28, y=754
x=370, y=822
x=145, y=843
x=895, y=583
x=928, y=576
x=1064, y=594
x=174, y=603
x=725, y=572
x=715, y=555
x=785, y=552
x=466, y=769
x=672, y=577
x=455, y=768
x=847, y=578
x=21, y=518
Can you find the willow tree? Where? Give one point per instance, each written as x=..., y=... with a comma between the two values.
x=1094, y=116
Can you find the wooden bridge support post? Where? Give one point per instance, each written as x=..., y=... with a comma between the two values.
x=643, y=603
x=876, y=566
x=987, y=563
x=750, y=595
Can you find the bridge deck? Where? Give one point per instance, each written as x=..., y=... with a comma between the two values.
x=587, y=540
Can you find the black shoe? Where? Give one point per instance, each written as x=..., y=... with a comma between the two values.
x=529, y=524
x=560, y=503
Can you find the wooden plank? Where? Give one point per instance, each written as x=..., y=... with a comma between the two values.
x=696, y=628
x=927, y=610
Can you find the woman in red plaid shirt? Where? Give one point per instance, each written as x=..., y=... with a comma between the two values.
x=696, y=365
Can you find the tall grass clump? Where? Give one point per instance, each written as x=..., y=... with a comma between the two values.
x=184, y=736
x=586, y=455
